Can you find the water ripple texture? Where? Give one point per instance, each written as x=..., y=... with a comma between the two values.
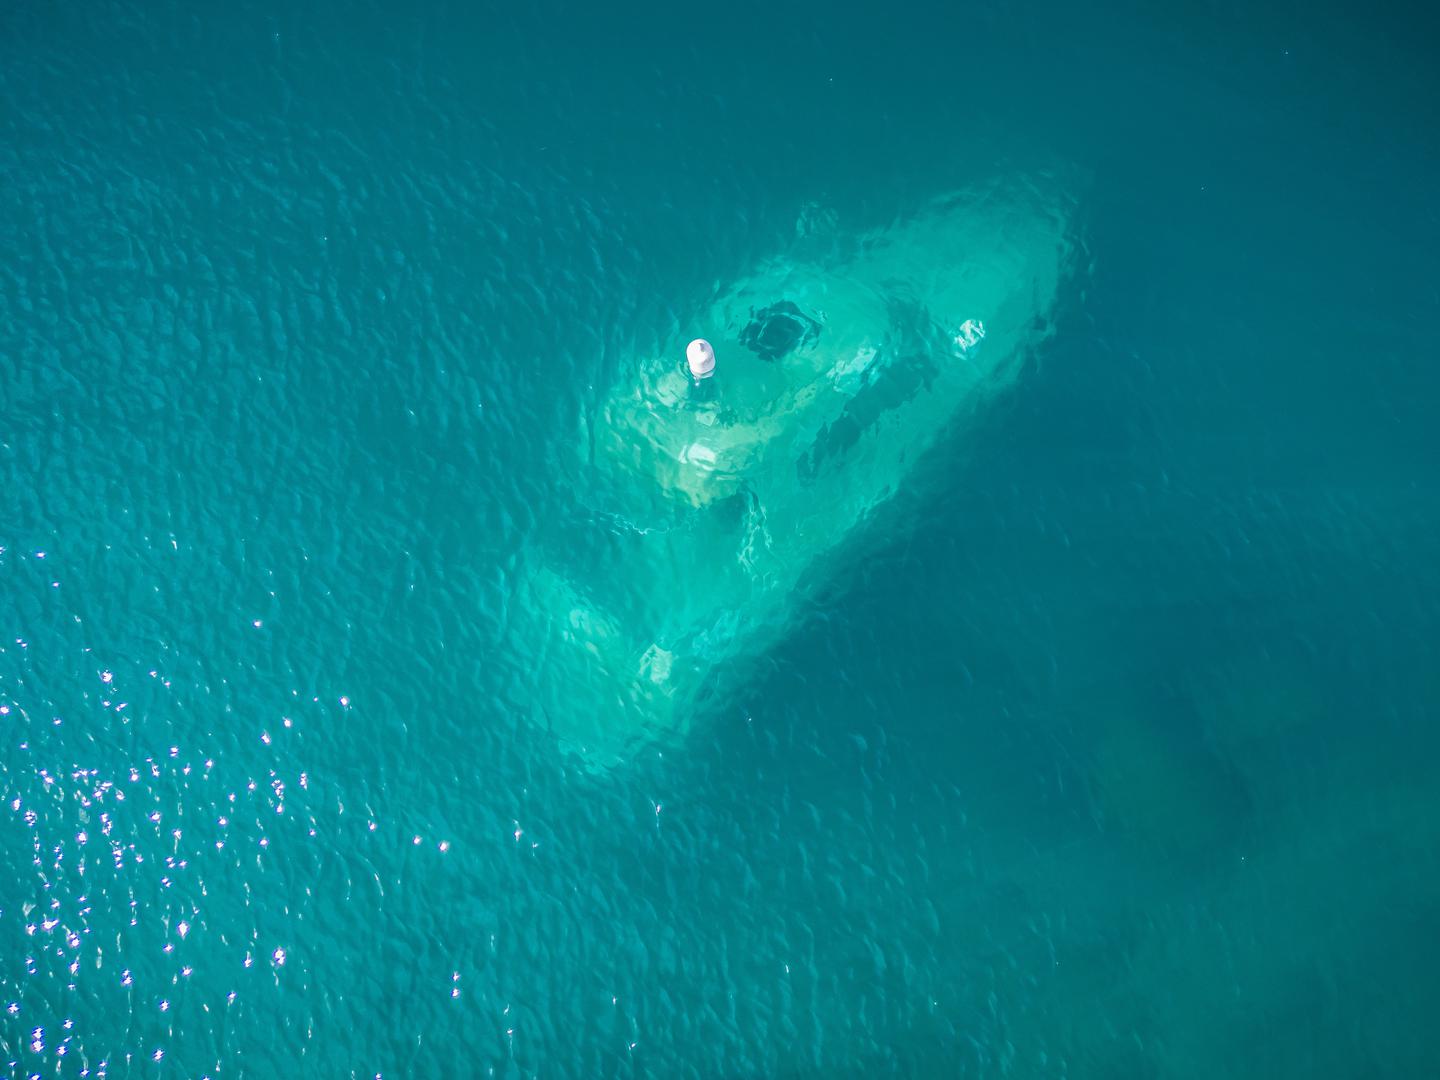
x=1060, y=705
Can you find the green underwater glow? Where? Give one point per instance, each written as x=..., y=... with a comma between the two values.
x=707, y=510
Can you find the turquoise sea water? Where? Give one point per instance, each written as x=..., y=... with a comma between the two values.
x=1107, y=749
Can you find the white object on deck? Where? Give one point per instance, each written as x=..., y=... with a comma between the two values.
x=701, y=358
x=972, y=332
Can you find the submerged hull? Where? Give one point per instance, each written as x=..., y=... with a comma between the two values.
x=709, y=508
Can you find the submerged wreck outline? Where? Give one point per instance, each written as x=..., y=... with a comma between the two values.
x=708, y=504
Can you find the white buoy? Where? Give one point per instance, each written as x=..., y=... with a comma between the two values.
x=701, y=358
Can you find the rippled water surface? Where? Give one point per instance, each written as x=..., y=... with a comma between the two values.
x=1105, y=748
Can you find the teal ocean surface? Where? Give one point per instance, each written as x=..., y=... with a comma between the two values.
x=391, y=685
